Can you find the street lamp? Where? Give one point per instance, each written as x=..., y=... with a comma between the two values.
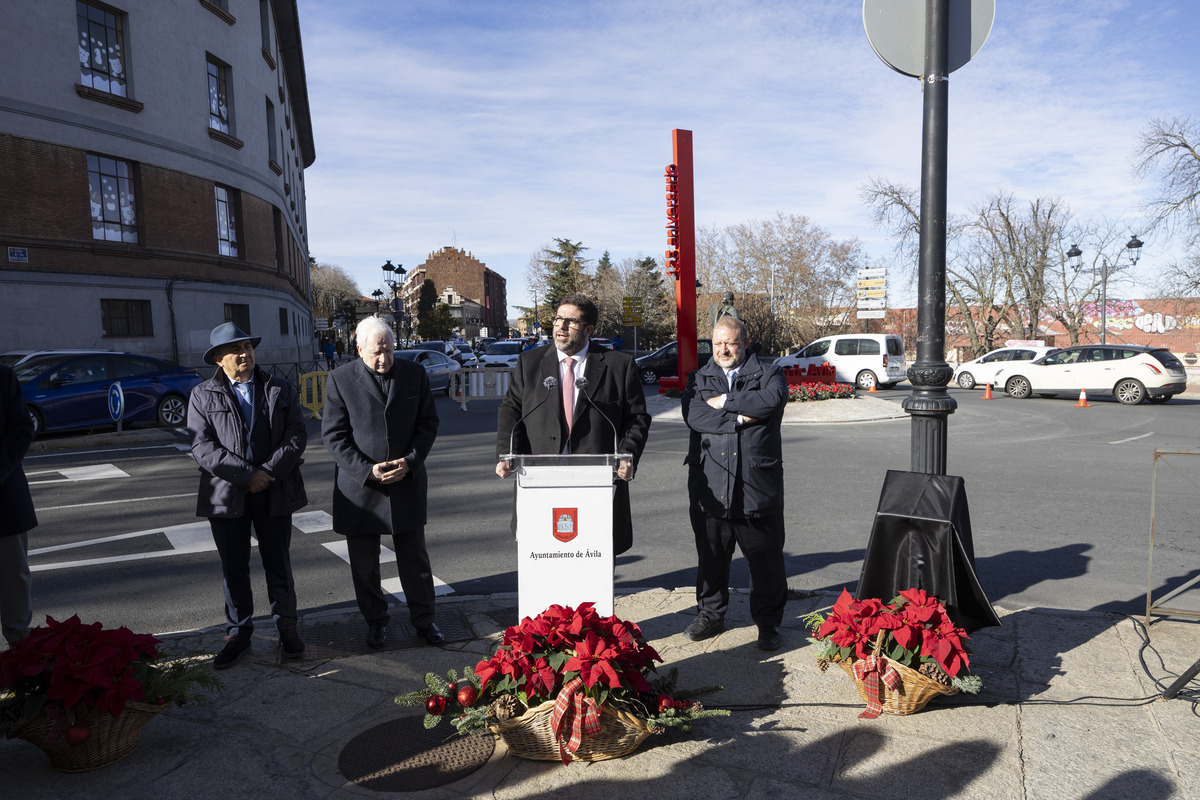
x=1133, y=251
x=378, y=295
x=394, y=277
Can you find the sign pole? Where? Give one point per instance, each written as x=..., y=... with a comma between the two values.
x=929, y=405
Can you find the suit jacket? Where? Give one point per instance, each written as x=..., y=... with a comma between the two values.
x=613, y=388
x=736, y=471
x=16, y=505
x=362, y=428
x=219, y=445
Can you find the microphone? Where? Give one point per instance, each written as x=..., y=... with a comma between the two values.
x=582, y=384
x=550, y=384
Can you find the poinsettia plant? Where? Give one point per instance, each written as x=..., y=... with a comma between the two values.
x=604, y=660
x=80, y=670
x=916, y=632
x=806, y=392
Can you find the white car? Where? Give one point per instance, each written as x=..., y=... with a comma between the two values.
x=502, y=353
x=863, y=359
x=1131, y=373
x=983, y=370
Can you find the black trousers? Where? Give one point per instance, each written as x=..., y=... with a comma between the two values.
x=274, y=535
x=761, y=541
x=416, y=576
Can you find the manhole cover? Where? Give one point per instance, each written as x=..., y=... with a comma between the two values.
x=403, y=756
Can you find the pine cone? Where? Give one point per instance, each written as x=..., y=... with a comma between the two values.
x=504, y=708
x=934, y=672
x=822, y=664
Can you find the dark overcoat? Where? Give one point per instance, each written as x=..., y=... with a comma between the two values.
x=736, y=471
x=219, y=438
x=613, y=387
x=16, y=504
x=362, y=428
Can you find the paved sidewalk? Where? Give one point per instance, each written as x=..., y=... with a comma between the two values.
x=1068, y=711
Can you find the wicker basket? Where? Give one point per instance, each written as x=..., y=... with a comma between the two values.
x=914, y=691
x=111, y=738
x=531, y=735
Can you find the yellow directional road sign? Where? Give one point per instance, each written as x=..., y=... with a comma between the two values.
x=872, y=282
x=872, y=293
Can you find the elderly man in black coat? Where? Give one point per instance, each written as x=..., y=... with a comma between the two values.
x=248, y=438
x=379, y=424
x=607, y=409
x=17, y=515
x=734, y=405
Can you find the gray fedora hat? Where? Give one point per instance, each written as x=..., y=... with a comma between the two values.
x=227, y=333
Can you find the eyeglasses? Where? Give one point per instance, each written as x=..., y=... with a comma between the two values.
x=570, y=322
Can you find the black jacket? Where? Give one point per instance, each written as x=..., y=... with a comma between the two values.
x=361, y=428
x=613, y=388
x=16, y=504
x=736, y=471
x=219, y=439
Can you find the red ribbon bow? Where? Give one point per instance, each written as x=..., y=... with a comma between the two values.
x=576, y=709
x=879, y=668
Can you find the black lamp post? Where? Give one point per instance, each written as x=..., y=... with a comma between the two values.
x=1133, y=250
x=394, y=278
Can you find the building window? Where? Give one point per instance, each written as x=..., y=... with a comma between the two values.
x=238, y=314
x=101, y=49
x=227, y=240
x=120, y=317
x=110, y=183
x=283, y=321
x=220, y=115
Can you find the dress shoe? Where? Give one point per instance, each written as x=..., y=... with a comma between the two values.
x=703, y=628
x=769, y=638
x=291, y=643
x=431, y=634
x=376, y=636
x=235, y=648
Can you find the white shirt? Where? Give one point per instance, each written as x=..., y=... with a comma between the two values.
x=577, y=368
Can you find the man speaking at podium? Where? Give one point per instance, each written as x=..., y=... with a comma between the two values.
x=576, y=398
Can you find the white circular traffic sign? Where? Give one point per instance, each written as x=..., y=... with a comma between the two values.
x=116, y=401
x=896, y=31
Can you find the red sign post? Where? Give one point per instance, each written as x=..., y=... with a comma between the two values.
x=681, y=253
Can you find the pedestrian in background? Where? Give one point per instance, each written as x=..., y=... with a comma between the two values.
x=379, y=423
x=17, y=515
x=248, y=438
x=734, y=406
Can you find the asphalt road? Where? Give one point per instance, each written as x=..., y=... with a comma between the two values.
x=1060, y=501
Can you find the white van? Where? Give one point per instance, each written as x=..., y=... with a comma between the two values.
x=863, y=359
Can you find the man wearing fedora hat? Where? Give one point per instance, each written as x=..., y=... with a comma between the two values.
x=248, y=437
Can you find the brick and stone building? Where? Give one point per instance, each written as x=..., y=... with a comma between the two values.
x=470, y=279
x=153, y=156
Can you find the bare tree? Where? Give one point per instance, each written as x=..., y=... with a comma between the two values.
x=786, y=274
x=1168, y=151
x=330, y=287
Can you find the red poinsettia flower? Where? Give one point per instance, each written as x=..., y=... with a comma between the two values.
x=593, y=660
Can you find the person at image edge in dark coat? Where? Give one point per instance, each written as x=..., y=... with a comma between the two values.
x=379, y=423
x=611, y=383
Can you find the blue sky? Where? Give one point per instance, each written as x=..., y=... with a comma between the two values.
x=499, y=126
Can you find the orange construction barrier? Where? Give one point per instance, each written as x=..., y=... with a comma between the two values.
x=1083, y=403
x=987, y=391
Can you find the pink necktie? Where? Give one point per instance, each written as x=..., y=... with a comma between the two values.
x=568, y=392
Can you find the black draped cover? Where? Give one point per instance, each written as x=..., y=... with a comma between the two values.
x=922, y=539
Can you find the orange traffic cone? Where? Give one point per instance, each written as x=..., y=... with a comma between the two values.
x=872, y=389
x=987, y=391
x=1083, y=403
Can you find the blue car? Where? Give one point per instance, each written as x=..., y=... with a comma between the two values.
x=64, y=391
